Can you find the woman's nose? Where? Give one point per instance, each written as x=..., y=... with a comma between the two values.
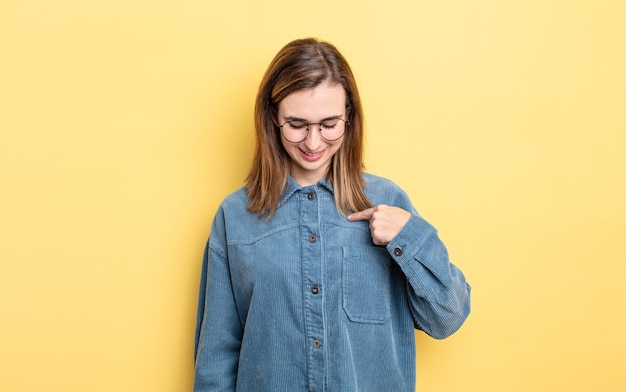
x=314, y=136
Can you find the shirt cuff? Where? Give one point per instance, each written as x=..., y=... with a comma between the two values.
x=413, y=237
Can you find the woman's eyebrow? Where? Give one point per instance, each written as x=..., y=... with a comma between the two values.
x=294, y=118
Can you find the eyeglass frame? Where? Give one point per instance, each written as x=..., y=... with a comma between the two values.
x=319, y=127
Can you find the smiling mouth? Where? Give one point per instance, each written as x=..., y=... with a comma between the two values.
x=312, y=155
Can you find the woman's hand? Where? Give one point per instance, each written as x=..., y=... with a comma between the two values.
x=385, y=221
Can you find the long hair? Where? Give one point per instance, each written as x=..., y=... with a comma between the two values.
x=299, y=65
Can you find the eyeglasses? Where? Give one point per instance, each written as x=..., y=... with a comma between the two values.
x=331, y=129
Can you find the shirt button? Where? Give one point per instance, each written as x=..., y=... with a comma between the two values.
x=317, y=343
x=315, y=289
x=311, y=196
x=312, y=238
x=397, y=251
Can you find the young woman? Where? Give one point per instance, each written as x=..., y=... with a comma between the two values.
x=316, y=273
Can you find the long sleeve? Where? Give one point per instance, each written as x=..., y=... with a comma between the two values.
x=218, y=330
x=439, y=296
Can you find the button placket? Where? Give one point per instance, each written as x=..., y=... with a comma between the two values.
x=312, y=268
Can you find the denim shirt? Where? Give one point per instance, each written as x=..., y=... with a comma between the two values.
x=304, y=301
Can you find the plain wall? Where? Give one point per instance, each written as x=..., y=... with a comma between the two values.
x=124, y=123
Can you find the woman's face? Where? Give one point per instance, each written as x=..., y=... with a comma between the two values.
x=311, y=157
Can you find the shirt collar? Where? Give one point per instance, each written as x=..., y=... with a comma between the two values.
x=293, y=187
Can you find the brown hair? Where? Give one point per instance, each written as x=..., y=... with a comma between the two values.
x=305, y=64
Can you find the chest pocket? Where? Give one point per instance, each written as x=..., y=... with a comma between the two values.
x=366, y=284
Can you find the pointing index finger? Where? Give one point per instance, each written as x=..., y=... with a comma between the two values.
x=361, y=215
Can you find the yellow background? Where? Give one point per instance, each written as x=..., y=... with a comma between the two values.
x=124, y=123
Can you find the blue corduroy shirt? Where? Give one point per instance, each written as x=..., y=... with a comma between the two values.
x=304, y=301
